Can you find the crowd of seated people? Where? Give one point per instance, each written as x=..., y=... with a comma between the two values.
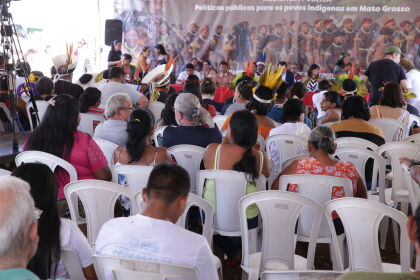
x=187, y=116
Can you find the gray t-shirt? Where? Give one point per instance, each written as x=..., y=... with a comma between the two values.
x=234, y=107
x=111, y=88
x=112, y=130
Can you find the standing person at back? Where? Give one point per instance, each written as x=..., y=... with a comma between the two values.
x=154, y=233
x=116, y=84
x=385, y=70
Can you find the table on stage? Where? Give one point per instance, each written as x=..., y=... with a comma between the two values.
x=6, y=152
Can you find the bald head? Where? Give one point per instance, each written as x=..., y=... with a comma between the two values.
x=18, y=233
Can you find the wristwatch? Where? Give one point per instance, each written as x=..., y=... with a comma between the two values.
x=414, y=162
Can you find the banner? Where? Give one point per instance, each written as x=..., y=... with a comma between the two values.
x=299, y=32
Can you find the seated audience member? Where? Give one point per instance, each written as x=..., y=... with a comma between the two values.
x=287, y=75
x=54, y=233
x=292, y=119
x=86, y=80
x=321, y=147
x=237, y=154
x=413, y=167
x=166, y=196
x=90, y=101
x=189, y=70
x=297, y=90
x=355, y=114
x=207, y=71
x=224, y=77
x=192, y=85
x=276, y=111
x=168, y=113
x=117, y=112
x=191, y=118
x=323, y=87
x=116, y=84
x=331, y=105
x=413, y=231
x=392, y=104
x=45, y=87
x=23, y=89
x=4, y=97
x=208, y=91
x=22, y=69
x=129, y=70
x=57, y=134
x=18, y=230
x=139, y=150
x=413, y=81
x=249, y=73
x=349, y=88
x=241, y=97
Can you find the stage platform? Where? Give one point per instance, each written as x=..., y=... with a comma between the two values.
x=7, y=156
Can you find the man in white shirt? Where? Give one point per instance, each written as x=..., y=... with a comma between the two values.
x=183, y=76
x=323, y=87
x=116, y=84
x=153, y=234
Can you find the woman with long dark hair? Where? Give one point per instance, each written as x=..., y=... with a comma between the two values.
x=54, y=233
x=138, y=150
x=90, y=101
x=114, y=55
x=237, y=153
x=312, y=79
x=57, y=134
x=162, y=56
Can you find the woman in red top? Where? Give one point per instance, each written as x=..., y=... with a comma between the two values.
x=320, y=162
x=90, y=100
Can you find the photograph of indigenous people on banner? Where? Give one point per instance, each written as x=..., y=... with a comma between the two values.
x=304, y=35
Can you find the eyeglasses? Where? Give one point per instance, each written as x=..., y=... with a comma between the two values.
x=38, y=213
x=126, y=108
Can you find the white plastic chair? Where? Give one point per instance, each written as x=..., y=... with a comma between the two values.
x=361, y=219
x=230, y=187
x=98, y=199
x=156, y=108
x=286, y=146
x=359, y=157
x=72, y=264
x=108, y=148
x=4, y=172
x=279, y=212
x=355, y=142
x=220, y=121
x=393, y=130
x=292, y=159
x=42, y=108
x=88, y=122
x=52, y=162
x=189, y=157
x=415, y=138
x=136, y=176
x=319, y=189
x=128, y=269
x=412, y=187
x=158, y=133
x=300, y=275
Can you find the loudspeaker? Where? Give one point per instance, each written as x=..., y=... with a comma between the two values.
x=113, y=30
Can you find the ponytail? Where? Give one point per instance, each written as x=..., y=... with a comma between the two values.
x=138, y=128
x=248, y=164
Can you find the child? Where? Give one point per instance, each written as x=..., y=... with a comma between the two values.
x=331, y=105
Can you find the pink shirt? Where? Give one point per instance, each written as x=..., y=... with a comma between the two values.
x=85, y=156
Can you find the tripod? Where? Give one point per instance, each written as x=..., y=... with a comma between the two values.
x=12, y=50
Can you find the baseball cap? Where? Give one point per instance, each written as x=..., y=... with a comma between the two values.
x=393, y=49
